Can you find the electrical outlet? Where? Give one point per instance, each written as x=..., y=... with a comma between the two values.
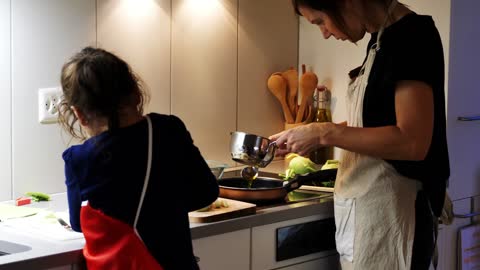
x=49, y=100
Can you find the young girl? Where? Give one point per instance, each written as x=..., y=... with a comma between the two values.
x=134, y=179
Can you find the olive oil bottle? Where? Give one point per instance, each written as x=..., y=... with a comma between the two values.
x=321, y=101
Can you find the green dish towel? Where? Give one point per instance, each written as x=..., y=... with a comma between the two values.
x=8, y=211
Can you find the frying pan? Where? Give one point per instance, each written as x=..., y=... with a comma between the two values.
x=265, y=189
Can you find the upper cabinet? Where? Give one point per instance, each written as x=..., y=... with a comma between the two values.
x=206, y=61
x=267, y=43
x=139, y=32
x=204, y=72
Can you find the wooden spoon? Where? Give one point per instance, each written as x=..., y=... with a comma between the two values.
x=278, y=86
x=291, y=76
x=308, y=83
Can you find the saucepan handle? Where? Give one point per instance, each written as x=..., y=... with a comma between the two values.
x=322, y=175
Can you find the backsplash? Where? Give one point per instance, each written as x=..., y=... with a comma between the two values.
x=207, y=64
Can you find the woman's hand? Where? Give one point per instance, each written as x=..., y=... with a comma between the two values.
x=302, y=139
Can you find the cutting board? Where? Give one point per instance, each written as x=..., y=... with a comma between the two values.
x=8, y=211
x=315, y=188
x=235, y=209
x=44, y=225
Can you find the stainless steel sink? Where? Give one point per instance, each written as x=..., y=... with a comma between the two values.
x=7, y=248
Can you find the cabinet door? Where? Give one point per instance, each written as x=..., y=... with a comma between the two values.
x=225, y=251
x=327, y=263
x=464, y=99
x=204, y=72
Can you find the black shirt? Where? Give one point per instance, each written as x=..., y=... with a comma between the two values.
x=411, y=49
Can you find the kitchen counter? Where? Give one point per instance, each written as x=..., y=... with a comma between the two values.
x=267, y=215
x=45, y=252
x=48, y=253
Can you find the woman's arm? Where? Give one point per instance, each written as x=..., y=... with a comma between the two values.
x=408, y=140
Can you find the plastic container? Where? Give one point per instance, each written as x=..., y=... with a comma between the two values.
x=217, y=168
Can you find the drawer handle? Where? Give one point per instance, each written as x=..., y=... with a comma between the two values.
x=469, y=118
x=467, y=215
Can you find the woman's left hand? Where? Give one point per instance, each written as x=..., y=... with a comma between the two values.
x=302, y=139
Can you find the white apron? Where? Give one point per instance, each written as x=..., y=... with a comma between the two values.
x=374, y=205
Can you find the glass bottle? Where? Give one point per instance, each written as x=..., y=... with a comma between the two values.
x=323, y=114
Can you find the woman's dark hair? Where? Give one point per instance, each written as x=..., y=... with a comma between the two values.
x=99, y=84
x=333, y=8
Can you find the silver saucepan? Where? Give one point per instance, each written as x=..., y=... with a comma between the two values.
x=252, y=150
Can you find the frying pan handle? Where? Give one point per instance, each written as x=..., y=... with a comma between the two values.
x=322, y=175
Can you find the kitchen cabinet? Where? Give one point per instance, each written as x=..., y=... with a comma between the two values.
x=267, y=43
x=204, y=72
x=140, y=33
x=225, y=251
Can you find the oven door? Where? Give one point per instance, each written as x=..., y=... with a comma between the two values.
x=309, y=240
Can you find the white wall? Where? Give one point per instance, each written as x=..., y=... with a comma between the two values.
x=5, y=102
x=44, y=34
x=331, y=60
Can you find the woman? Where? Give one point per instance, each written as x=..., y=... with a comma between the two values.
x=134, y=179
x=395, y=159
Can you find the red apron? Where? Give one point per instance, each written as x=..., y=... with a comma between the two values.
x=112, y=244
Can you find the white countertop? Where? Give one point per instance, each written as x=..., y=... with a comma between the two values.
x=45, y=251
x=48, y=252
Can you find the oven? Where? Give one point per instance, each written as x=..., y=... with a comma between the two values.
x=303, y=243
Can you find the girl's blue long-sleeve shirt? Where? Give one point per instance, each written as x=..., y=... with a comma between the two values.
x=109, y=170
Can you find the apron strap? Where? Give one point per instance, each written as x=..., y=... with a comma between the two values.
x=392, y=6
x=147, y=176
x=435, y=246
